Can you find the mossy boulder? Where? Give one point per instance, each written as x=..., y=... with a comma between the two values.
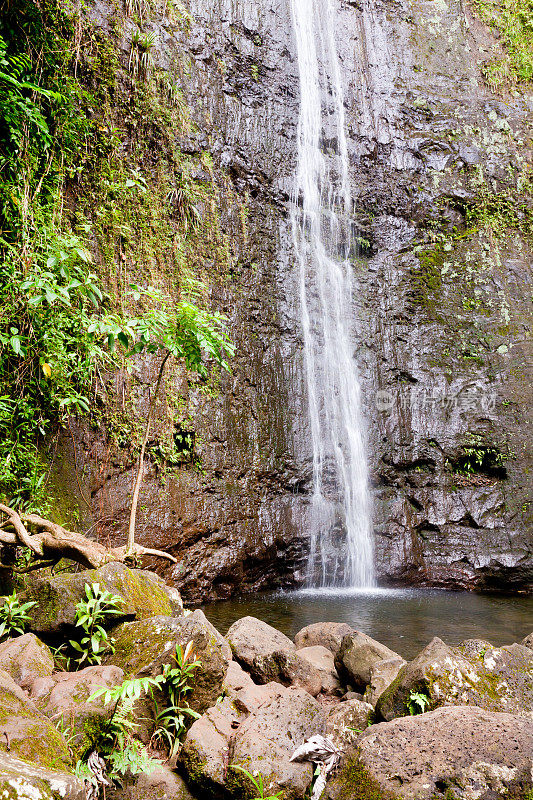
x=65, y=696
x=475, y=673
x=144, y=594
x=22, y=781
x=26, y=658
x=26, y=733
x=448, y=754
x=141, y=648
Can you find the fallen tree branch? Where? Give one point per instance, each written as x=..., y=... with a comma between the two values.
x=51, y=542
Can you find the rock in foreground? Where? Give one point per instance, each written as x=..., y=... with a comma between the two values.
x=447, y=754
x=143, y=647
x=271, y=656
x=326, y=634
x=22, y=781
x=475, y=673
x=357, y=655
x=25, y=659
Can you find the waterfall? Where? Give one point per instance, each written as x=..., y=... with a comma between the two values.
x=341, y=538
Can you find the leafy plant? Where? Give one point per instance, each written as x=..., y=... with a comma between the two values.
x=417, y=703
x=114, y=740
x=257, y=780
x=513, y=20
x=177, y=681
x=14, y=615
x=91, y=613
x=140, y=60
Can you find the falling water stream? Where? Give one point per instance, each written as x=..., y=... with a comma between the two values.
x=341, y=543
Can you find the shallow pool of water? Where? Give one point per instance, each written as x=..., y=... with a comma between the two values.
x=404, y=619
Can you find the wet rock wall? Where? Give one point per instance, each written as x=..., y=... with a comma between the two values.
x=442, y=315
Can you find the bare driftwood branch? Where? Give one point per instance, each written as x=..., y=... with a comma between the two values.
x=51, y=542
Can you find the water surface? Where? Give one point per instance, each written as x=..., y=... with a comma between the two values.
x=404, y=619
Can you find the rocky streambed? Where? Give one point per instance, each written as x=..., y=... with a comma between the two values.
x=454, y=722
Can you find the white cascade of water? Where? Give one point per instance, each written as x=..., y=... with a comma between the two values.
x=341, y=536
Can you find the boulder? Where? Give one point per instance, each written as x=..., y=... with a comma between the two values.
x=205, y=752
x=475, y=673
x=141, y=648
x=448, y=754
x=258, y=731
x=357, y=655
x=252, y=641
x=266, y=740
x=347, y=721
x=144, y=593
x=382, y=675
x=25, y=732
x=271, y=656
x=161, y=784
x=236, y=679
x=64, y=696
x=25, y=659
x=528, y=641
x=322, y=660
x=326, y=634
x=22, y=781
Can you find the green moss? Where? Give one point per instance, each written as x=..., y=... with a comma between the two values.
x=512, y=20
x=354, y=782
x=426, y=279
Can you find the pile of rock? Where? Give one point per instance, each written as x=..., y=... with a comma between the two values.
x=260, y=695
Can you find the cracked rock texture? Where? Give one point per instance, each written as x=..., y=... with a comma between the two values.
x=442, y=315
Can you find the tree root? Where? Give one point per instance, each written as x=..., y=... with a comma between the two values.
x=51, y=542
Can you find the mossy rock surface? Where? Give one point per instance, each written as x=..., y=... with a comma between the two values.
x=26, y=658
x=26, y=733
x=143, y=647
x=473, y=674
x=144, y=594
x=22, y=781
x=449, y=754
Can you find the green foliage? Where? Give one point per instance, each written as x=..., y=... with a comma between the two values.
x=98, y=606
x=513, y=21
x=59, y=328
x=417, y=703
x=177, y=681
x=257, y=781
x=499, y=211
x=14, y=615
x=115, y=739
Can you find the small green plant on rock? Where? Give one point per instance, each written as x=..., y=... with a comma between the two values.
x=13, y=616
x=417, y=703
x=257, y=780
x=91, y=613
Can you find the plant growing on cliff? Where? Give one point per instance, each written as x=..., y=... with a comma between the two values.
x=14, y=617
x=180, y=330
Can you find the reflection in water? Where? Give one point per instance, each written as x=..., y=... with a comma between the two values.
x=404, y=619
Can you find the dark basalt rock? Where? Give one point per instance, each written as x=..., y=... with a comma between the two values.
x=441, y=308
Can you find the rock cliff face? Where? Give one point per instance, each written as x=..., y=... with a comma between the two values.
x=442, y=309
